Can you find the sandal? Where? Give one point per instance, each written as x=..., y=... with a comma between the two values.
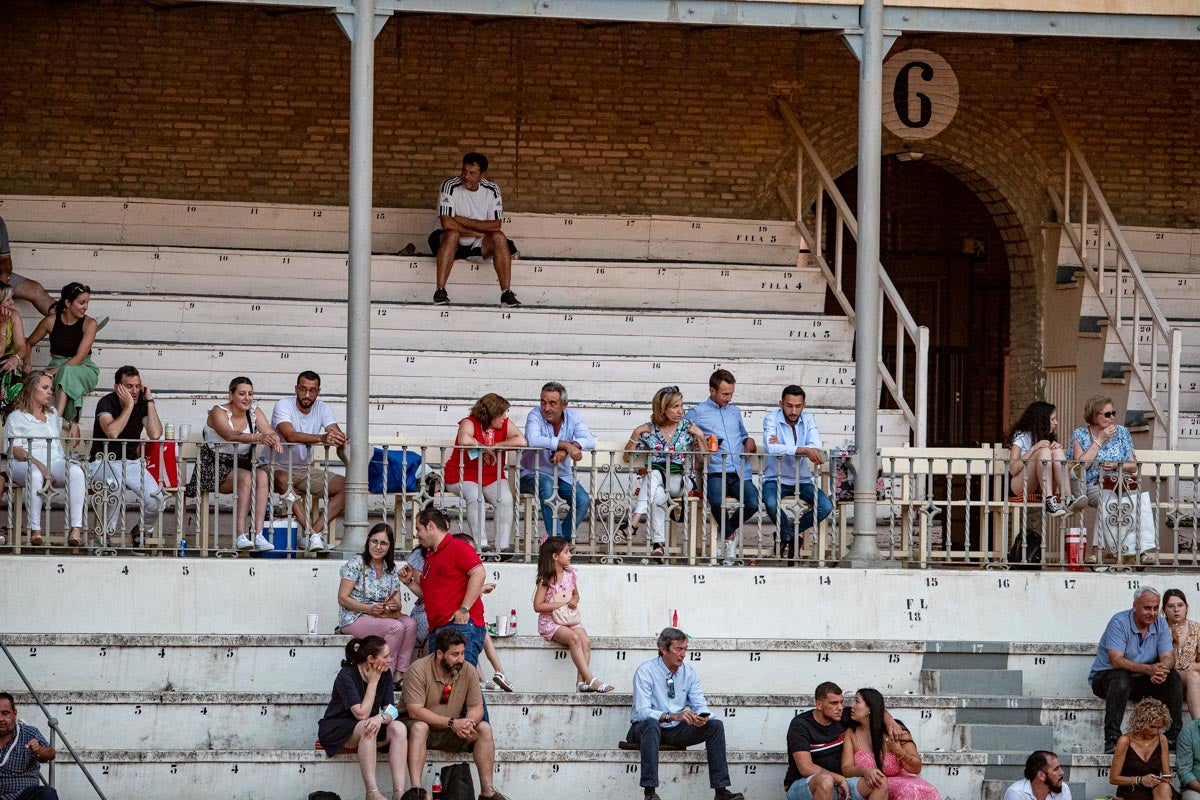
x=75, y=539
x=375, y=793
x=657, y=553
x=600, y=687
x=583, y=687
x=503, y=682
x=35, y=538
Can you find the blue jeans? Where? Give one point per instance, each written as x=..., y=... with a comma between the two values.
x=572, y=494
x=730, y=484
x=650, y=735
x=773, y=490
x=38, y=793
x=799, y=789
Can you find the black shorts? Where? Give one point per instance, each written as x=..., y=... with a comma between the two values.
x=463, y=252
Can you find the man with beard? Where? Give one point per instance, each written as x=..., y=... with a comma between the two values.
x=793, y=444
x=23, y=750
x=444, y=709
x=1043, y=779
x=303, y=421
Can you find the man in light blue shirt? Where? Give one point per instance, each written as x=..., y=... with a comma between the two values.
x=561, y=436
x=1136, y=659
x=669, y=708
x=792, y=442
x=728, y=473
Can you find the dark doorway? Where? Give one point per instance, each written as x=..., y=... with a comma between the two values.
x=947, y=259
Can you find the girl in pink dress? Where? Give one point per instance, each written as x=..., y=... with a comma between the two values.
x=556, y=601
x=869, y=753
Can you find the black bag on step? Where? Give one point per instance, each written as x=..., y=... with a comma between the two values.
x=457, y=783
x=1026, y=551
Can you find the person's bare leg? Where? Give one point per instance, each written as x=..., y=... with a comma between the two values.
x=418, y=735
x=574, y=643
x=262, y=494
x=368, y=757
x=335, y=505
x=1191, y=690
x=244, y=479
x=280, y=482
x=485, y=759
x=35, y=294
x=489, y=650
x=445, y=257
x=397, y=738
x=1059, y=458
x=497, y=243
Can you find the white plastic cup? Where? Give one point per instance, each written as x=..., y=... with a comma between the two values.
x=312, y=624
x=185, y=433
x=502, y=624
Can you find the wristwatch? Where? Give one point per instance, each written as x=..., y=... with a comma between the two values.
x=464, y=609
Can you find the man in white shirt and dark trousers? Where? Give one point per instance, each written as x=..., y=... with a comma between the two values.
x=669, y=708
x=793, y=444
x=302, y=422
x=1043, y=779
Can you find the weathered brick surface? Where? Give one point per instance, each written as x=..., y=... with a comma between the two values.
x=120, y=97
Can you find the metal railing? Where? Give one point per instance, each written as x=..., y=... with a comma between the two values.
x=907, y=332
x=936, y=507
x=55, y=730
x=1132, y=303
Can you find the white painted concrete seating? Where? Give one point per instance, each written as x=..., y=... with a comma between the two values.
x=1189, y=353
x=1156, y=249
x=193, y=223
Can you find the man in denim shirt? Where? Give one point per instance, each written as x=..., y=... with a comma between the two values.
x=560, y=436
x=728, y=472
x=669, y=708
x=792, y=442
x=1136, y=659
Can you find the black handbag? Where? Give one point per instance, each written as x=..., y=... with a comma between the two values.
x=457, y=783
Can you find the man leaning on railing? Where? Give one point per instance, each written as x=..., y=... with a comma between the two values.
x=23, y=750
x=123, y=414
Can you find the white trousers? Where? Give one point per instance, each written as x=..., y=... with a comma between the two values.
x=128, y=474
x=654, y=496
x=500, y=498
x=63, y=474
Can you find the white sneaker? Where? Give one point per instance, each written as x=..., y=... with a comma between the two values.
x=262, y=544
x=316, y=544
x=730, y=552
x=244, y=543
x=1076, y=504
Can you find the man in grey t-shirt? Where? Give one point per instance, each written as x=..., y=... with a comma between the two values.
x=23, y=288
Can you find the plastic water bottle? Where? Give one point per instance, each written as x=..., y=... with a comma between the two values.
x=182, y=547
x=512, y=622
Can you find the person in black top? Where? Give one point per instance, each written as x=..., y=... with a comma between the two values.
x=814, y=745
x=123, y=414
x=362, y=714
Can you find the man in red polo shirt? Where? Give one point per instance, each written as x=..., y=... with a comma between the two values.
x=451, y=582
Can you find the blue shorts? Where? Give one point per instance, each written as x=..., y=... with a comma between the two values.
x=799, y=789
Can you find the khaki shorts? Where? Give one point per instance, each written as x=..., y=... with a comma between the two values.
x=305, y=480
x=442, y=739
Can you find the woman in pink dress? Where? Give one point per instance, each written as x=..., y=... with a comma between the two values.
x=872, y=755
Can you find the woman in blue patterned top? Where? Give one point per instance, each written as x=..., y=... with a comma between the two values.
x=1105, y=447
x=369, y=596
x=670, y=440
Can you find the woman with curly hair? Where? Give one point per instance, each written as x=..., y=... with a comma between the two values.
x=1141, y=766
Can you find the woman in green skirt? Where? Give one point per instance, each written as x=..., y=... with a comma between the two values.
x=71, y=333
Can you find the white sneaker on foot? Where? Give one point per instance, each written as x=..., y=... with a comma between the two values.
x=730, y=552
x=316, y=544
x=244, y=543
x=1076, y=504
x=262, y=544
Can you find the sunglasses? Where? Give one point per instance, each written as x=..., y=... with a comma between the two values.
x=669, y=390
x=446, y=689
x=671, y=688
x=1109, y=414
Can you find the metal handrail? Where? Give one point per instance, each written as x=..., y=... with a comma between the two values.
x=915, y=412
x=53, y=723
x=1145, y=306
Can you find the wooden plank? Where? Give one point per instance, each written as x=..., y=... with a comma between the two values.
x=1156, y=249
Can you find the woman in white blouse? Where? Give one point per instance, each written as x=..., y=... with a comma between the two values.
x=33, y=441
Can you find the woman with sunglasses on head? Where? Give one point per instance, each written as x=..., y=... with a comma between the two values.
x=72, y=333
x=369, y=596
x=670, y=439
x=1102, y=445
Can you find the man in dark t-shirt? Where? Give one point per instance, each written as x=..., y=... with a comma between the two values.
x=814, y=745
x=123, y=414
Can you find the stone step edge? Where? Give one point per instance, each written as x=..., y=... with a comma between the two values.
x=638, y=643
x=612, y=699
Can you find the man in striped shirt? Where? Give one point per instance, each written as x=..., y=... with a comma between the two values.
x=471, y=212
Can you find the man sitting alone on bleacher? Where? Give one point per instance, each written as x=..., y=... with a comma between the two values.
x=125, y=413
x=669, y=708
x=305, y=421
x=1043, y=779
x=444, y=710
x=471, y=212
x=23, y=750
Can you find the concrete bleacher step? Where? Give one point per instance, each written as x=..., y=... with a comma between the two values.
x=1156, y=249
x=200, y=368
x=209, y=223
x=1005, y=737
x=410, y=279
x=297, y=324
x=1190, y=336
x=1175, y=293
x=971, y=681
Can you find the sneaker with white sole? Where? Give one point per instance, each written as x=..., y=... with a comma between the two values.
x=262, y=544
x=316, y=544
x=244, y=543
x=1054, y=508
x=1076, y=504
x=730, y=552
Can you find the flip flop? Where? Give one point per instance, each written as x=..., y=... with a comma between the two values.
x=602, y=688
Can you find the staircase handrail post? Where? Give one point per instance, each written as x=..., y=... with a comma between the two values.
x=921, y=387
x=1173, y=389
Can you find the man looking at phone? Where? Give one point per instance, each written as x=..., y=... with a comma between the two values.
x=124, y=414
x=669, y=708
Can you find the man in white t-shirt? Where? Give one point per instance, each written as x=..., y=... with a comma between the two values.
x=470, y=211
x=303, y=421
x=1043, y=779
